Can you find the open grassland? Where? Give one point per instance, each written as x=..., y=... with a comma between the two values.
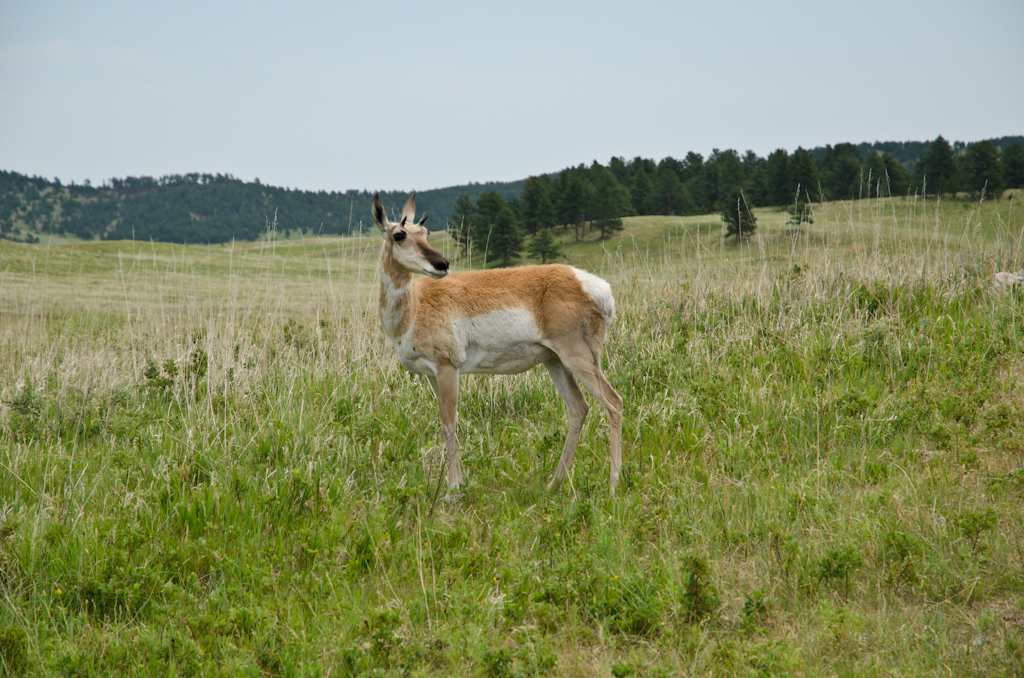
x=211, y=463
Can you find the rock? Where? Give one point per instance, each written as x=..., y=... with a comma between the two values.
x=1007, y=279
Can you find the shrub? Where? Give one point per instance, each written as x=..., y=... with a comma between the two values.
x=13, y=650
x=497, y=664
x=699, y=596
x=901, y=554
x=755, y=608
x=839, y=563
x=971, y=524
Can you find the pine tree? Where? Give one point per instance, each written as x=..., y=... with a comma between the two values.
x=611, y=201
x=779, y=192
x=755, y=185
x=1013, y=166
x=506, y=237
x=694, y=181
x=642, y=188
x=669, y=195
x=460, y=223
x=534, y=191
x=875, y=175
x=620, y=169
x=545, y=216
x=738, y=218
x=572, y=207
x=896, y=174
x=936, y=170
x=885, y=176
x=803, y=176
x=488, y=207
x=800, y=213
x=840, y=172
x=543, y=246
x=723, y=172
x=982, y=169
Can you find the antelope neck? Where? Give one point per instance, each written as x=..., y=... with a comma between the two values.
x=396, y=298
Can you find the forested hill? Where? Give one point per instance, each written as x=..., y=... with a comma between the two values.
x=213, y=208
x=200, y=208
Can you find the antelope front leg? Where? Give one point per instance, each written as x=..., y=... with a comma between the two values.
x=446, y=388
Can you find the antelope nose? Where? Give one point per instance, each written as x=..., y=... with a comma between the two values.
x=441, y=265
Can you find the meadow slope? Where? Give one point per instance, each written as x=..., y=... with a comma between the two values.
x=211, y=463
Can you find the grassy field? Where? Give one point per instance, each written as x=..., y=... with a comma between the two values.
x=211, y=463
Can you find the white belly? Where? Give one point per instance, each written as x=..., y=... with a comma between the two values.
x=509, y=360
x=499, y=342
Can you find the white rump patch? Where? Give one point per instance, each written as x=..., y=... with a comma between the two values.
x=600, y=291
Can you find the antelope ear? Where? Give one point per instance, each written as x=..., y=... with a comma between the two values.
x=409, y=211
x=380, y=217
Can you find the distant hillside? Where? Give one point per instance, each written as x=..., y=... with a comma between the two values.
x=213, y=208
x=200, y=208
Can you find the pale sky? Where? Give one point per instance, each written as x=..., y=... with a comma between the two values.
x=404, y=95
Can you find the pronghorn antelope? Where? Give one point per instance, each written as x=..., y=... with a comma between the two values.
x=501, y=321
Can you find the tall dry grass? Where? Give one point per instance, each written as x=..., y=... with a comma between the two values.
x=210, y=455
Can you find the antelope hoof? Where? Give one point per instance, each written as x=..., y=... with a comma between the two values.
x=556, y=483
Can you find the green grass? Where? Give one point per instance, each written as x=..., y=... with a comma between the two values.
x=211, y=463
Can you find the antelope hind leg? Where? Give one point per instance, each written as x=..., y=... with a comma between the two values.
x=577, y=407
x=585, y=363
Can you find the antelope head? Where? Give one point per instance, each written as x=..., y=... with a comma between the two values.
x=405, y=242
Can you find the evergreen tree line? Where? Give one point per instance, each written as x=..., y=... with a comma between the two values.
x=207, y=208
x=907, y=152
x=597, y=197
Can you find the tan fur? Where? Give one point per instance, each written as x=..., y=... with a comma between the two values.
x=570, y=323
x=551, y=293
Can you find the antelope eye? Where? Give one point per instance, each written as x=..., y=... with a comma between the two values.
x=399, y=236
